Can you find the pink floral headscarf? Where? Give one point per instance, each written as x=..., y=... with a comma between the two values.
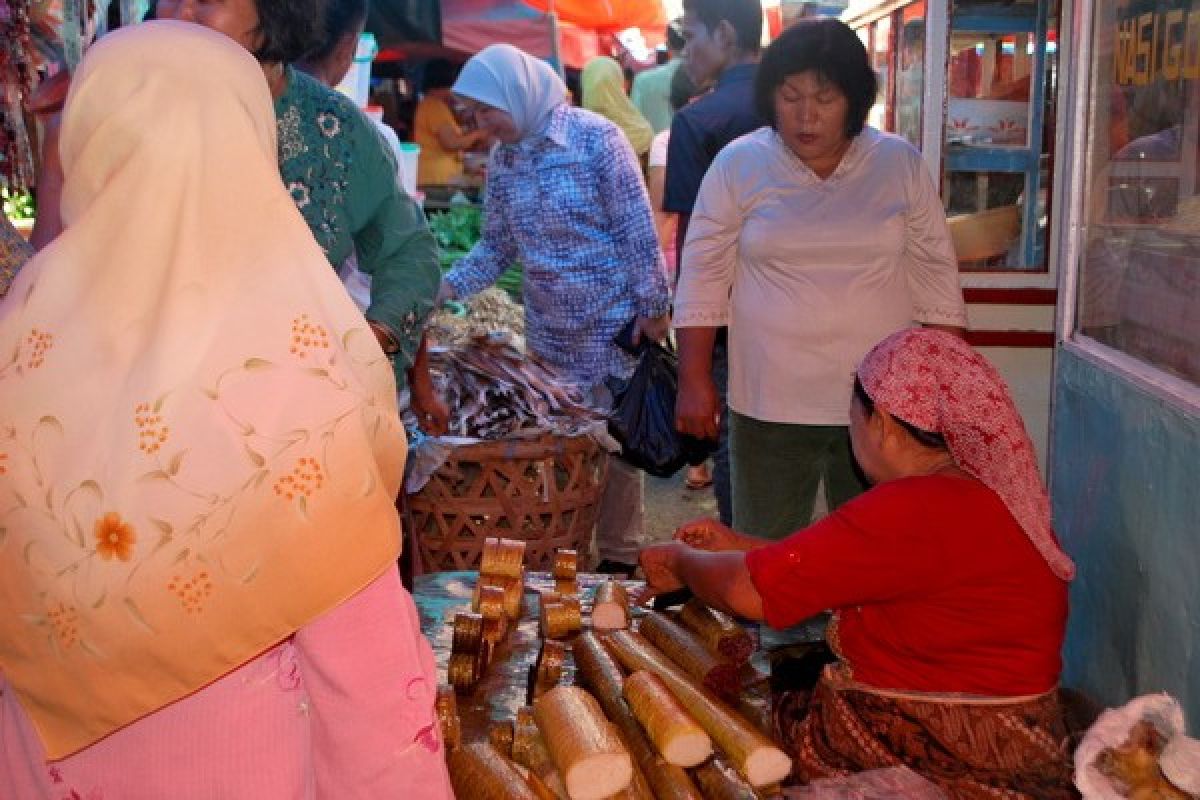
x=939, y=383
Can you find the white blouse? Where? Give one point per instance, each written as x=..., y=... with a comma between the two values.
x=809, y=274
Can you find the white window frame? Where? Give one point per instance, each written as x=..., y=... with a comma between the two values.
x=1070, y=220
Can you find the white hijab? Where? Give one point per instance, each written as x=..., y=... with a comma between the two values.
x=507, y=78
x=199, y=448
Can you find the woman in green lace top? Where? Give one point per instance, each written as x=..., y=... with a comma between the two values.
x=339, y=171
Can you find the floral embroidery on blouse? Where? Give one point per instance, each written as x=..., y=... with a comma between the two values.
x=192, y=592
x=115, y=538
x=152, y=433
x=315, y=168
x=118, y=540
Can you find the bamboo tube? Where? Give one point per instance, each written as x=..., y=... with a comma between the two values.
x=513, y=589
x=463, y=671
x=494, y=629
x=566, y=586
x=549, y=664
x=539, y=787
x=501, y=736
x=555, y=621
x=583, y=744
x=566, y=564
x=478, y=772
x=719, y=781
x=687, y=652
x=755, y=756
x=502, y=557
x=610, y=609
x=597, y=669
x=447, y=714
x=529, y=750
x=491, y=600
x=468, y=632
x=719, y=632
x=569, y=601
x=678, y=737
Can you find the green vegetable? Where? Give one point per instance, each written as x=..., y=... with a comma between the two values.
x=18, y=205
x=456, y=231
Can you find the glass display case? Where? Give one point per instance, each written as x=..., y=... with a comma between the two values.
x=1000, y=91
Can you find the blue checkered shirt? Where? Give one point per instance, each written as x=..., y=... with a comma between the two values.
x=570, y=204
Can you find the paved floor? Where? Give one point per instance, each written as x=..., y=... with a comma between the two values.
x=669, y=503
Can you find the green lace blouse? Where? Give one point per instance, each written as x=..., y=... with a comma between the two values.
x=342, y=176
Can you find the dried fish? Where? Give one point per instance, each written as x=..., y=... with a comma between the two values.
x=495, y=391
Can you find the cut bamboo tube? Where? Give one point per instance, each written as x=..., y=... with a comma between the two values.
x=529, y=750
x=555, y=621
x=676, y=735
x=494, y=629
x=500, y=736
x=719, y=632
x=478, y=772
x=447, y=713
x=584, y=745
x=566, y=565
x=566, y=586
x=596, y=669
x=462, y=671
x=468, y=632
x=549, y=664
x=502, y=557
x=513, y=588
x=719, y=781
x=610, y=609
x=491, y=600
x=755, y=756
x=687, y=652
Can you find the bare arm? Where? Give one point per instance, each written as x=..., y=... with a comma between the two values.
x=721, y=580
x=697, y=406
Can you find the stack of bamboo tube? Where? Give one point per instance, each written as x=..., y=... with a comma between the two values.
x=495, y=608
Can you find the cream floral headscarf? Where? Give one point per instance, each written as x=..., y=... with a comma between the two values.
x=199, y=447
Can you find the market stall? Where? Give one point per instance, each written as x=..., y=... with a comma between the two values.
x=557, y=683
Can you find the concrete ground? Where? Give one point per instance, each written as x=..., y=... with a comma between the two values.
x=669, y=504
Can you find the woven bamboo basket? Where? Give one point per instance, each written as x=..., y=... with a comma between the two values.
x=544, y=491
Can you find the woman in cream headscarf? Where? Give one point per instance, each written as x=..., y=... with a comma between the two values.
x=199, y=451
x=604, y=92
x=566, y=198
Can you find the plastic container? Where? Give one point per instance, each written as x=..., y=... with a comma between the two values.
x=410, y=152
x=357, y=83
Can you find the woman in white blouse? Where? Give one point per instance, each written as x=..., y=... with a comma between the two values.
x=811, y=240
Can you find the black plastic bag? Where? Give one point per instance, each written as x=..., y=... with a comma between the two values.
x=643, y=415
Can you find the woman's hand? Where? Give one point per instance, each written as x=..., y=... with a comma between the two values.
x=708, y=534
x=698, y=407
x=654, y=329
x=658, y=563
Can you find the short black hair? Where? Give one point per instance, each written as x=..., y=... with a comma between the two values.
x=675, y=40
x=930, y=439
x=290, y=29
x=342, y=17
x=828, y=47
x=439, y=74
x=744, y=16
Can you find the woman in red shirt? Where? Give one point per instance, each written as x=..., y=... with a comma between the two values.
x=948, y=585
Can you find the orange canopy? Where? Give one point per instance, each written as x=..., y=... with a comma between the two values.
x=606, y=15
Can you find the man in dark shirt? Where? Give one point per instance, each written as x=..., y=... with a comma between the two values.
x=721, y=45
